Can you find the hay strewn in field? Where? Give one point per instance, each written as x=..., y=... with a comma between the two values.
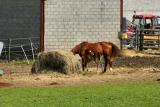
x=57, y=61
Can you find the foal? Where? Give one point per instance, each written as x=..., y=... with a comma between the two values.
x=85, y=50
x=95, y=50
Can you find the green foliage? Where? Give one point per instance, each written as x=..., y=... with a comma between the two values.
x=104, y=95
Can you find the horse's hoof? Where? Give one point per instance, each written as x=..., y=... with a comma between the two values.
x=87, y=70
x=102, y=72
x=110, y=69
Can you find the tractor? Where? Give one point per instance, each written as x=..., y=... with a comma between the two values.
x=147, y=22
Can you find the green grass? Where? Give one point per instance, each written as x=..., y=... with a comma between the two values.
x=107, y=95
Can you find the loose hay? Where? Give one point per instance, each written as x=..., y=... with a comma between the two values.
x=57, y=61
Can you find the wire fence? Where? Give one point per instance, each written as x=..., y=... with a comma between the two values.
x=20, y=48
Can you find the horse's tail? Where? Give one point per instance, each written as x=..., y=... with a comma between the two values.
x=115, y=51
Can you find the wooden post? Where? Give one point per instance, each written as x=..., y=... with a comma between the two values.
x=42, y=18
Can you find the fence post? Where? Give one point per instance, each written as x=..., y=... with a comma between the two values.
x=9, y=49
x=141, y=41
x=24, y=54
x=32, y=49
x=158, y=39
x=136, y=39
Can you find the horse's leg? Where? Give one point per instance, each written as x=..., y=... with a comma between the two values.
x=99, y=58
x=97, y=62
x=110, y=64
x=85, y=61
x=105, y=64
x=83, y=64
x=97, y=65
x=102, y=61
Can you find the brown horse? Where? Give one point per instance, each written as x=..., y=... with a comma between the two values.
x=110, y=51
x=87, y=51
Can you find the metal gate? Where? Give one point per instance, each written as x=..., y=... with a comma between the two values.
x=148, y=39
x=142, y=39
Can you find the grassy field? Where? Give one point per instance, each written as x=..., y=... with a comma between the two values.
x=102, y=95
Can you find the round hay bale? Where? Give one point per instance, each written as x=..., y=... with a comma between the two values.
x=57, y=61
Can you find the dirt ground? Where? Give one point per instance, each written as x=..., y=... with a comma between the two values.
x=132, y=67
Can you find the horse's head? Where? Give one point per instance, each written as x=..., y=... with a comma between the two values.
x=75, y=50
x=91, y=52
x=78, y=48
x=88, y=54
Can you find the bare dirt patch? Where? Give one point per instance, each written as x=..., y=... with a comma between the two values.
x=129, y=68
x=3, y=84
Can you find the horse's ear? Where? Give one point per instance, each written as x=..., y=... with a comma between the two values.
x=72, y=50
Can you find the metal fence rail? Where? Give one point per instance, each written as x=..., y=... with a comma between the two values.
x=20, y=48
x=149, y=38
